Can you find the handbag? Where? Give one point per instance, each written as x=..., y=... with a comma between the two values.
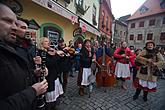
x=92, y=78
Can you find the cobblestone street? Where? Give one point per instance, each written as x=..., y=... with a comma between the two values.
x=114, y=99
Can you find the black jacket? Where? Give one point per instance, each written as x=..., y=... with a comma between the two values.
x=15, y=81
x=85, y=60
x=66, y=63
x=52, y=63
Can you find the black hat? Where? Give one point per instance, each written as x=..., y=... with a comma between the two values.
x=60, y=40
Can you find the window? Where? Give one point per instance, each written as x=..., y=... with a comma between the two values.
x=162, y=36
x=133, y=25
x=67, y=1
x=121, y=33
x=139, y=37
x=131, y=37
x=162, y=4
x=103, y=16
x=163, y=21
x=141, y=24
x=94, y=15
x=152, y=22
x=143, y=9
x=94, y=11
x=53, y=34
x=150, y=36
x=79, y=2
x=107, y=23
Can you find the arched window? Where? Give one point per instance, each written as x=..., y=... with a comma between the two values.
x=53, y=32
x=103, y=17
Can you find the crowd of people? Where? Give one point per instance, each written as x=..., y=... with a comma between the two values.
x=29, y=71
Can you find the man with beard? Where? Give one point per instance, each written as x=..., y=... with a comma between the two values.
x=150, y=61
x=17, y=90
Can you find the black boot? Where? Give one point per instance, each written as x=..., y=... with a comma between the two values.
x=50, y=105
x=145, y=93
x=136, y=94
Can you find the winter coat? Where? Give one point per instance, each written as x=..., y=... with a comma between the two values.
x=85, y=60
x=118, y=55
x=66, y=63
x=149, y=72
x=54, y=71
x=16, y=92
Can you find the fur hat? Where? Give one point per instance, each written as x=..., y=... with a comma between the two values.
x=150, y=41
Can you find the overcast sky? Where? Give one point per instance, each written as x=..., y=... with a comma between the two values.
x=125, y=7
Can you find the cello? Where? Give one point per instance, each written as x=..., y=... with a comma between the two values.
x=105, y=76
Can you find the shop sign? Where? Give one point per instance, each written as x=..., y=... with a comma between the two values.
x=87, y=27
x=55, y=7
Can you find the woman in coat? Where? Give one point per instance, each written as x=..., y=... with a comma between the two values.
x=150, y=61
x=54, y=73
x=85, y=66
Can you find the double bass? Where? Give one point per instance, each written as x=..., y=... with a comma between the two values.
x=105, y=76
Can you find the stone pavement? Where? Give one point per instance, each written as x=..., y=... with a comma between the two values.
x=114, y=99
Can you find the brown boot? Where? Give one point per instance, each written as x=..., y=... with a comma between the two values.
x=81, y=91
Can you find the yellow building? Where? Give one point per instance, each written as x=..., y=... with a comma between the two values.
x=56, y=19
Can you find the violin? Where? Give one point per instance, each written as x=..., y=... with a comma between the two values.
x=71, y=51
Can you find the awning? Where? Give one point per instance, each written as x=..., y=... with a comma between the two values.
x=84, y=25
x=57, y=8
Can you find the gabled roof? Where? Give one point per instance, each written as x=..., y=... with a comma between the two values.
x=109, y=4
x=150, y=7
x=124, y=18
x=120, y=22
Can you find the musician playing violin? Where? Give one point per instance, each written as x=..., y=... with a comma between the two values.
x=122, y=69
x=65, y=65
x=72, y=57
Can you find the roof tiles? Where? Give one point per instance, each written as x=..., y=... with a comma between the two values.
x=151, y=7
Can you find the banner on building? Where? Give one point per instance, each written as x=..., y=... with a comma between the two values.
x=57, y=8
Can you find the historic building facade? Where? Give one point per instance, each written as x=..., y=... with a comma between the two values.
x=119, y=32
x=147, y=23
x=105, y=19
x=69, y=19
